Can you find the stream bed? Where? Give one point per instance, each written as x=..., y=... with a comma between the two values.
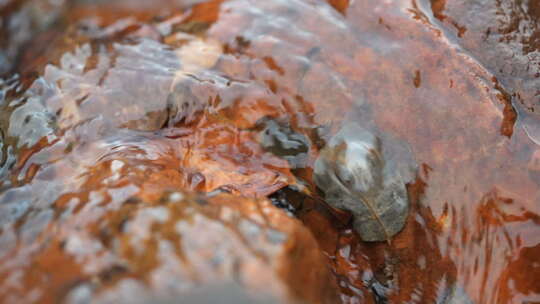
x=165, y=150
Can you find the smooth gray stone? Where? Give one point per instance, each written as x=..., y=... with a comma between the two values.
x=359, y=167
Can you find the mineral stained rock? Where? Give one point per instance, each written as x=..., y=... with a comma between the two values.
x=128, y=249
x=111, y=103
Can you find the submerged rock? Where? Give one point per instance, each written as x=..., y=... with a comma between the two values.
x=281, y=140
x=356, y=175
x=187, y=121
x=20, y=22
x=451, y=293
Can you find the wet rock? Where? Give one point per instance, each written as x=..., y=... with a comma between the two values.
x=354, y=175
x=228, y=292
x=20, y=22
x=183, y=106
x=131, y=249
x=452, y=294
x=281, y=140
x=534, y=161
x=305, y=63
x=503, y=36
x=199, y=54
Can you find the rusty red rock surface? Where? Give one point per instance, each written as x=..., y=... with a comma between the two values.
x=117, y=107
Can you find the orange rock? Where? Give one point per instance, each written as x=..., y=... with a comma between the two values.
x=162, y=249
x=111, y=93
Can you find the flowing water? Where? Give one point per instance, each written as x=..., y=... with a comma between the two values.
x=102, y=101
